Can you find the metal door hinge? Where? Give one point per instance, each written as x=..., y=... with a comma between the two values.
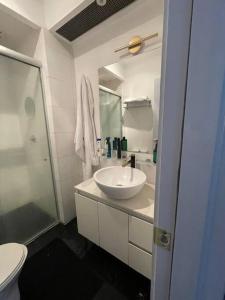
x=162, y=238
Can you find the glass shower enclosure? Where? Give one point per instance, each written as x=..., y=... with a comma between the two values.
x=27, y=197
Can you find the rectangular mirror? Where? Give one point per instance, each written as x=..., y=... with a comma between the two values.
x=129, y=93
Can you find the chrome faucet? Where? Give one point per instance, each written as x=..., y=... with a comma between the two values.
x=131, y=161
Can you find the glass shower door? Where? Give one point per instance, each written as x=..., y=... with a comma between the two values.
x=27, y=198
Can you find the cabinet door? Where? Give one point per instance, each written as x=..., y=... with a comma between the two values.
x=87, y=218
x=113, y=231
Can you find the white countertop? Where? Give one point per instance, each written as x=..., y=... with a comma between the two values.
x=141, y=206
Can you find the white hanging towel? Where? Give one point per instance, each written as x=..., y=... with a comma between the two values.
x=85, y=135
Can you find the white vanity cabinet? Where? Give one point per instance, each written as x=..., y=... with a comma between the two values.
x=141, y=233
x=113, y=231
x=87, y=218
x=140, y=246
x=125, y=236
x=140, y=261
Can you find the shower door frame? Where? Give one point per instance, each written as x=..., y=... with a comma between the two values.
x=36, y=63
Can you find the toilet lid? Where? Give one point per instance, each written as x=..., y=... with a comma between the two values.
x=11, y=256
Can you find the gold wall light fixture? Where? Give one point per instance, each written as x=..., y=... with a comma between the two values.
x=136, y=43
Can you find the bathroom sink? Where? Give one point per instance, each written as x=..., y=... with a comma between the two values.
x=120, y=182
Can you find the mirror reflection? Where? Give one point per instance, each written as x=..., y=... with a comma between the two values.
x=129, y=93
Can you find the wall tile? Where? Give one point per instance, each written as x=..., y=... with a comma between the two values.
x=62, y=93
x=55, y=168
x=54, y=42
x=54, y=156
x=61, y=114
x=60, y=201
x=47, y=91
x=67, y=188
x=64, y=144
x=63, y=119
x=67, y=167
x=78, y=170
x=63, y=69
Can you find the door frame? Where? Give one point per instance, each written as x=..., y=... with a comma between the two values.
x=176, y=40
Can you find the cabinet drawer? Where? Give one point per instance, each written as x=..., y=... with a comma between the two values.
x=140, y=261
x=87, y=218
x=141, y=233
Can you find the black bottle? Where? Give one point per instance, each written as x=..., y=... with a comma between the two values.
x=109, y=150
x=155, y=152
x=114, y=151
x=118, y=148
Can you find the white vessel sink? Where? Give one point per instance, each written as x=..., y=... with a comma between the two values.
x=120, y=182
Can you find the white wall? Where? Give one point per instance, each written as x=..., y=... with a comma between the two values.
x=58, y=12
x=43, y=13
x=117, y=70
x=28, y=11
x=10, y=37
x=61, y=107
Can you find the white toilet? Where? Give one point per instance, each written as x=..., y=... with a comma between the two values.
x=12, y=258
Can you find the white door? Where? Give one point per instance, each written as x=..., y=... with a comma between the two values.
x=177, y=27
x=190, y=190
x=198, y=270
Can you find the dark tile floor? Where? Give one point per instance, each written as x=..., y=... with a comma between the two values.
x=119, y=281
x=23, y=222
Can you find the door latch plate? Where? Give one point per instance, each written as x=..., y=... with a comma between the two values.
x=162, y=238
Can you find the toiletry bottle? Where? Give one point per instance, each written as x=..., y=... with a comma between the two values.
x=108, y=147
x=118, y=148
x=99, y=150
x=114, y=151
x=104, y=148
x=155, y=152
x=124, y=148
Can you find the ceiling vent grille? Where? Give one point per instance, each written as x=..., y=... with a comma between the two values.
x=91, y=16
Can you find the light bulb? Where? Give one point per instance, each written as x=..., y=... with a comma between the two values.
x=101, y=2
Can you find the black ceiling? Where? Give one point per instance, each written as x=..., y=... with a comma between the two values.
x=90, y=17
